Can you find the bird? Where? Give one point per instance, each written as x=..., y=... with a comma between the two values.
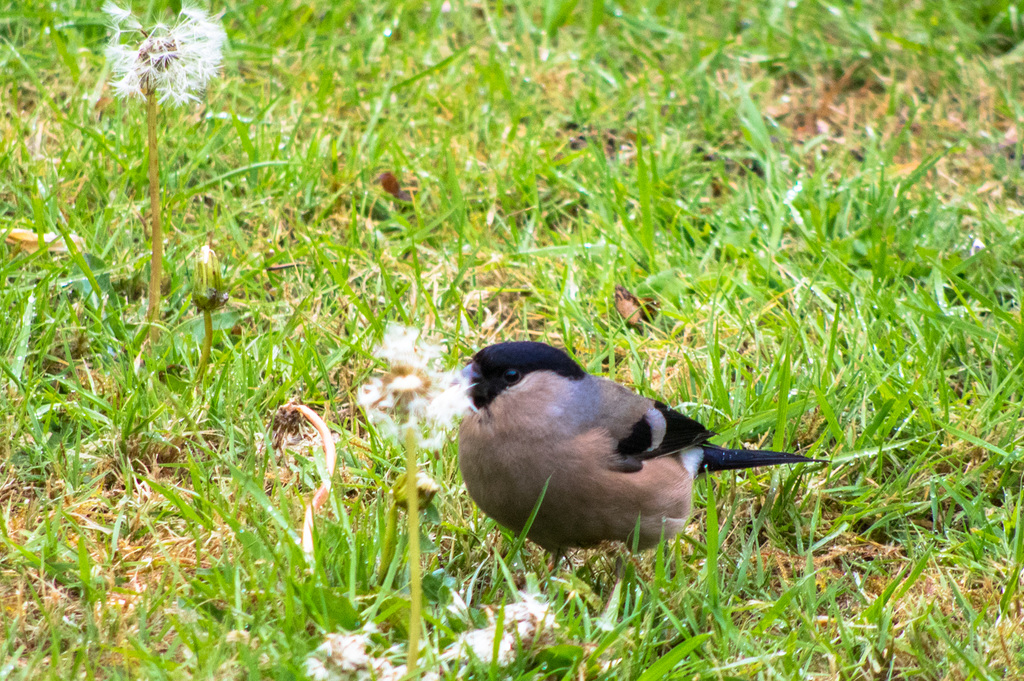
x=587, y=458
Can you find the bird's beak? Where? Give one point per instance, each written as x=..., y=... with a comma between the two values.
x=471, y=374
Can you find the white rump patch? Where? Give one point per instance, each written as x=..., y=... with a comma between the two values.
x=691, y=459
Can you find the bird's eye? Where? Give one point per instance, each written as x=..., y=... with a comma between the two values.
x=512, y=376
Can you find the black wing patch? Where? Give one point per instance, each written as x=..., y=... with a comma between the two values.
x=680, y=432
x=638, y=440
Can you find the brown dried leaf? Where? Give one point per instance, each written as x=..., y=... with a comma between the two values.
x=102, y=103
x=29, y=241
x=390, y=184
x=632, y=309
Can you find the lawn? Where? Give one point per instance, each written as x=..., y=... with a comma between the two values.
x=824, y=200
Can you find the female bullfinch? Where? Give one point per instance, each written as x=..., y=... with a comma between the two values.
x=605, y=463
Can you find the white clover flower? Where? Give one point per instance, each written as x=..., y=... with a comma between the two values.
x=175, y=62
x=414, y=393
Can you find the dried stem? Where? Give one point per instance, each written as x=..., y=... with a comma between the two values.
x=415, y=578
x=330, y=461
x=156, y=231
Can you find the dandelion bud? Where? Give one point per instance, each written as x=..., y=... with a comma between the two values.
x=426, y=489
x=207, y=288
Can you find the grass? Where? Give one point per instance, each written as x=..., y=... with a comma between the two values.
x=824, y=199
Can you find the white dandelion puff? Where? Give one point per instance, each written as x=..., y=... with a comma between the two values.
x=411, y=403
x=316, y=670
x=174, y=62
x=344, y=657
x=450, y=403
x=346, y=652
x=121, y=18
x=410, y=384
x=414, y=393
x=403, y=346
x=528, y=624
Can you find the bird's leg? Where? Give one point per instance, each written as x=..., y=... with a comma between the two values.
x=627, y=565
x=620, y=566
x=556, y=558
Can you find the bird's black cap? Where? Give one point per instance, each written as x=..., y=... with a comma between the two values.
x=527, y=356
x=502, y=365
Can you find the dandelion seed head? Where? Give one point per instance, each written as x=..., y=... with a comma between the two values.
x=414, y=394
x=480, y=643
x=452, y=402
x=407, y=384
x=527, y=623
x=347, y=652
x=174, y=62
x=402, y=347
x=316, y=670
x=345, y=657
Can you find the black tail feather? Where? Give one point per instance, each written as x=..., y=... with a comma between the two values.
x=721, y=459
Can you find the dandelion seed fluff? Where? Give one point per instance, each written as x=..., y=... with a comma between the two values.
x=119, y=17
x=480, y=643
x=409, y=383
x=316, y=670
x=452, y=402
x=174, y=62
x=346, y=651
x=402, y=347
x=526, y=623
x=415, y=394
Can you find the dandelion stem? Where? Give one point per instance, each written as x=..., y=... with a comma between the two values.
x=415, y=578
x=156, y=231
x=204, y=359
